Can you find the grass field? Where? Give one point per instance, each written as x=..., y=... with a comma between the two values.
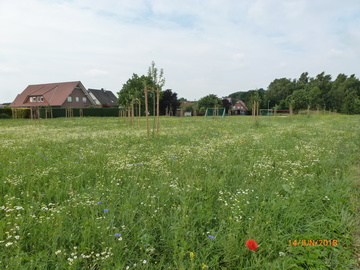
x=97, y=193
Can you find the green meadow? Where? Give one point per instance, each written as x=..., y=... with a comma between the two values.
x=98, y=193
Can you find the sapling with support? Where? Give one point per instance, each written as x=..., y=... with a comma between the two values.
x=157, y=81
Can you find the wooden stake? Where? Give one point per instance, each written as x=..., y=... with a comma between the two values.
x=254, y=108
x=132, y=112
x=139, y=111
x=147, y=111
x=157, y=111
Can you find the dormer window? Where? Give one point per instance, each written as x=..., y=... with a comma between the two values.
x=36, y=99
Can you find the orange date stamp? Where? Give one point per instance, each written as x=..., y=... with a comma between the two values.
x=313, y=243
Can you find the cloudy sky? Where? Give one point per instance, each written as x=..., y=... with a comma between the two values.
x=204, y=46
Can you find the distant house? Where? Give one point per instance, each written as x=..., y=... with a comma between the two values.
x=187, y=108
x=103, y=98
x=239, y=107
x=59, y=95
x=227, y=98
x=186, y=103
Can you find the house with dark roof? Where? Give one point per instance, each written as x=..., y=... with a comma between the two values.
x=103, y=98
x=58, y=95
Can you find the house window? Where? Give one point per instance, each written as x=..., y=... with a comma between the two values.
x=40, y=99
x=69, y=99
x=77, y=99
x=84, y=99
x=32, y=99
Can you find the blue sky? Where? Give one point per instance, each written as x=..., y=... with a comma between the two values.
x=205, y=47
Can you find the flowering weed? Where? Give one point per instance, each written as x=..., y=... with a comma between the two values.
x=125, y=200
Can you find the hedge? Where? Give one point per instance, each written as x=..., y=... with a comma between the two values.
x=77, y=112
x=5, y=113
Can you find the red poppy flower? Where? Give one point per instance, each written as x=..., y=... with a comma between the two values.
x=251, y=244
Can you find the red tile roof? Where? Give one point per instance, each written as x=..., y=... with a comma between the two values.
x=53, y=94
x=240, y=105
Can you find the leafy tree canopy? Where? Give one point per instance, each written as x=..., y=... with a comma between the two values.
x=133, y=89
x=209, y=101
x=342, y=94
x=169, y=102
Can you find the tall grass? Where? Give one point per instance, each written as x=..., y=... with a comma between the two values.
x=97, y=193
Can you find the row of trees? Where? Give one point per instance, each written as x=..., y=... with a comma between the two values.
x=341, y=95
x=315, y=93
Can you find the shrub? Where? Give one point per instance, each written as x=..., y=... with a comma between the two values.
x=5, y=113
x=4, y=116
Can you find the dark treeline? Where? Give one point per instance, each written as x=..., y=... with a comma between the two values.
x=319, y=93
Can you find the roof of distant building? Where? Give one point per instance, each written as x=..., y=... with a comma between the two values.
x=104, y=97
x=49, y=94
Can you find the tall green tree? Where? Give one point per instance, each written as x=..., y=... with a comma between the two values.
x=226, y=104
x=345, y=94
x=169, y=102
x=303, y=80
x=324, y=83
x=209, y=101
x=278, y=90
x=335, y=97
x=133, y=90
x=351, y=104
x=315, y=99
x=299, y=99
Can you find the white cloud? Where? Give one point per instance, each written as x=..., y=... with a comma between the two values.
x=96, y=72
x=204, y=47
x=9, y=69
x=335, y=52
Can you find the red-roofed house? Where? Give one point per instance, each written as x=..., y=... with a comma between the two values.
x=239, y=107
x=58, y=95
